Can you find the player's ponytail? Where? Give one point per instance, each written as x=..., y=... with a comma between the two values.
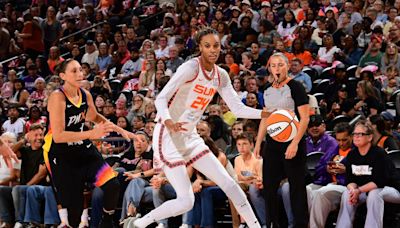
x=203, y=32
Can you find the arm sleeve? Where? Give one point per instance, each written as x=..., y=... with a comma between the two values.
x=233, y=101
x=184, y=73
x=298, y=93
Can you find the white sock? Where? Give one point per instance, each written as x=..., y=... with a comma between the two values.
x=85, y=217
x=63, y=213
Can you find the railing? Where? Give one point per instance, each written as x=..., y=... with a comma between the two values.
x=82, y=30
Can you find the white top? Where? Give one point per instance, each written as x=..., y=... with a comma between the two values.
x=90, y=58
x=17, y=127
x=5, y=172
x=187, y=94
x=327, y=55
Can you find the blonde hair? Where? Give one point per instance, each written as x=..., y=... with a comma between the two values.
x=9, y=135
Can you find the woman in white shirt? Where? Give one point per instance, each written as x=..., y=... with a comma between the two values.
x=8, y=177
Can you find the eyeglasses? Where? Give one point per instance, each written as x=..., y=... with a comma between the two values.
x=359, y=134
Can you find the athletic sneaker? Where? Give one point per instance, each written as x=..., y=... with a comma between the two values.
x=128, y=222
x=184, y=226
x=160, y=225
x=18, y=225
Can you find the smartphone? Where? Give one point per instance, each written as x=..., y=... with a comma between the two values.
x=246, y=173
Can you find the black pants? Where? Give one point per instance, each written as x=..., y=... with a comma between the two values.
x=276, y=168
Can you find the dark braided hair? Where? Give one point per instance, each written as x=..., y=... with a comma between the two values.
x=203, y=32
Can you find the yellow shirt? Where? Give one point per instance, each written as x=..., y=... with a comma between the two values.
x=229, y=118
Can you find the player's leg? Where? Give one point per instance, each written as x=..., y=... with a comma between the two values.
x=179, y=179
x=213, y=169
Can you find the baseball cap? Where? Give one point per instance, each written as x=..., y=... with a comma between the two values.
x=370, y=68
x=203, y=4
x=261, y=72
x=247, y=2
x=265, y=4
x=235, y=8
x=169, y=15
x=315, y=121
x=387, y=116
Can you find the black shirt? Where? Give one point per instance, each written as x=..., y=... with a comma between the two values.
x=31, y=160
x=368, y=168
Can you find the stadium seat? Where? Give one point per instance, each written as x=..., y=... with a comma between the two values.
x=312, y=160
x=326, y=73
x=322, y=86
x=351, y=71
x=311, y=72
x=355, y=120
x=319, y=96
x=394, y=155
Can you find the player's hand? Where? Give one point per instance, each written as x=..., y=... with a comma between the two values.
x=291, y=150
x=101, y=130
x=175, y=127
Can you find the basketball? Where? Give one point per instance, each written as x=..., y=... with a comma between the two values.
x=282, y=125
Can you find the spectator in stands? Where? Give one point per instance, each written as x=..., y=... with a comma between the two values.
x=8, y=87
x=252, y=100
x=5, y=39
x=228, y=116
x=138, y=172
x=326, y=52
x=54, y=58
x=9, y=177
x=249, y=172
x=174, y=60
x=351, y=53
x=163, y=50
x=365, y=171
x=103, y=59
x=138, y=106
x=117, y=37
x=231, y=150
x=32, y=37
x=147, y=77
x=35, y=117
x=326, y=191
x=109, y=111
x=72, y=40
x=318, y=139
x=43, y=68
x=91, y=54
x=123, y=52
x=267, y=35
x=14, y=124
x=76, y=53
x=31, y=78
x=83, y=22
x=298, y=51
x=20, y=94
x=140, y=30
x=310, y=45
x=245, y=34
x=369, y=102
x=138, y=123
x=373, y=55
x=51, y=29
x=99, y=102
x=382, y=138
x=248, y=66
x=320, y=31
x=207, y=192
x=252, y=87
x=38, y=96
x=296, y=67
x=100, y=87
x=33, y=171
x=390, y=57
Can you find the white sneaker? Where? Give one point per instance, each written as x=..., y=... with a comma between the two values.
x=184, y=226
x=18, y=225
x=242, y=226
x=160, y=225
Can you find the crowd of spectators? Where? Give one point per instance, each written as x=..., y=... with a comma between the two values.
x=345, y=53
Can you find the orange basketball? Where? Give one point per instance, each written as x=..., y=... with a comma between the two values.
x=282, y=125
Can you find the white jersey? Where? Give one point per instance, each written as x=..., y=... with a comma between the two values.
x=187, y=94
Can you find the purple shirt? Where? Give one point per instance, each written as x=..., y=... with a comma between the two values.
x=326, y=144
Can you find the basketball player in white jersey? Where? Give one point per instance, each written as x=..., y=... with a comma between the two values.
x=176, y=143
